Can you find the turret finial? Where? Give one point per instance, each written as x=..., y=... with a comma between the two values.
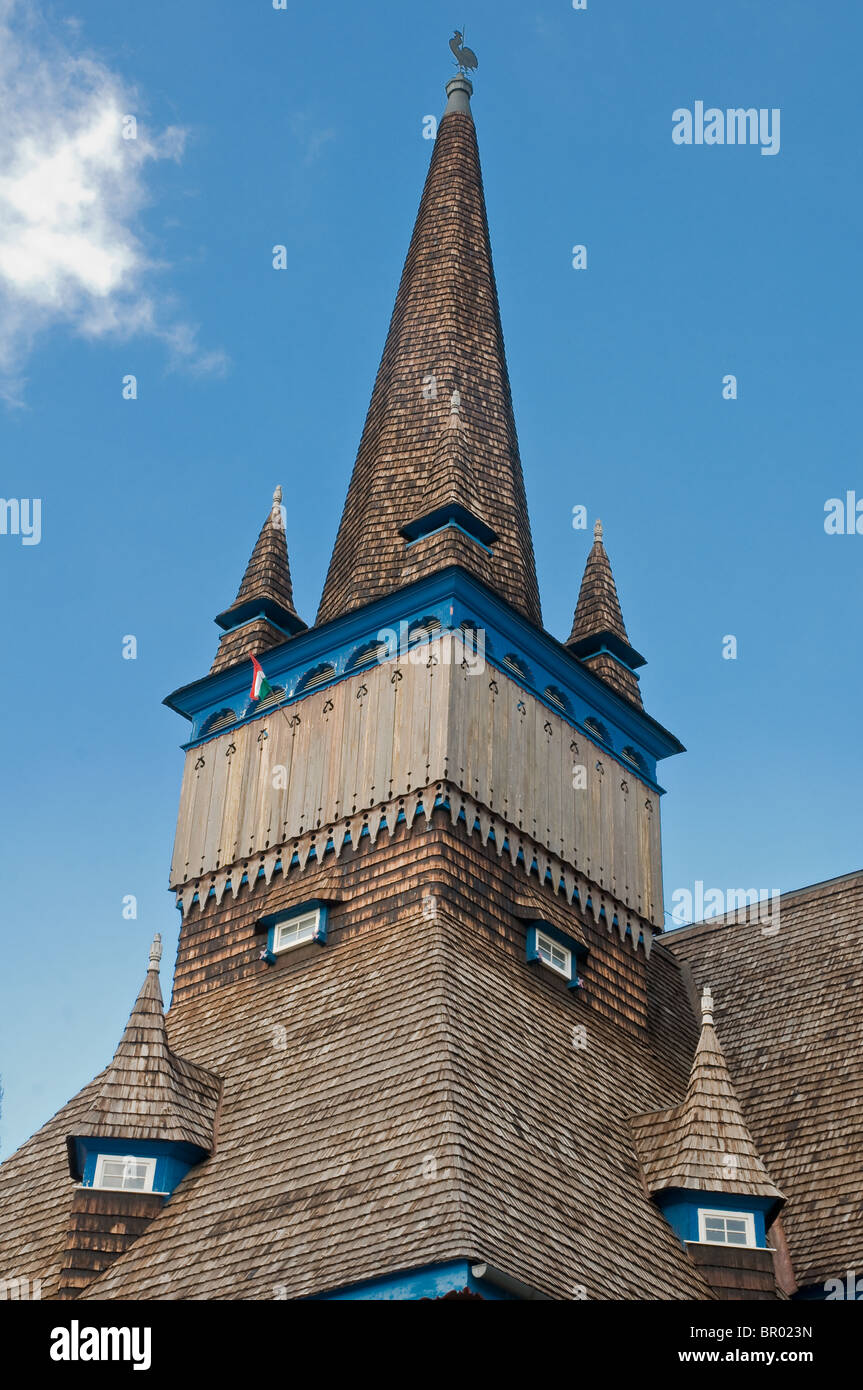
x=597, y=530
x=455, y=403
x=707, y=1005
x=466, y=59
x=277, y=495
x=156, y=952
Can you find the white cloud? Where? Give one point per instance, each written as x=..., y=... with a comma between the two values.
x=71, y=192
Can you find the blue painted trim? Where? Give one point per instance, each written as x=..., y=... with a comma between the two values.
x=680, y=1207
x=254, y=608
x=173, y=1160
x=430, y=1281
x=447, y=526
x=453, y=597
x=274, y=920
x=562, y=938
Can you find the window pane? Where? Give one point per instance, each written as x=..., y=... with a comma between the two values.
x=293, y=932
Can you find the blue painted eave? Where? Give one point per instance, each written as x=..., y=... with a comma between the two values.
x=447, y=586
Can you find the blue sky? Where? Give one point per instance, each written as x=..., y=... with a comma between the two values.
x=304, y=127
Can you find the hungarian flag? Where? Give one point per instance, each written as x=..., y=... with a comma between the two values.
x=260, y=685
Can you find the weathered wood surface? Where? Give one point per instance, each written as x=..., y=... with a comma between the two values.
x=400, y=726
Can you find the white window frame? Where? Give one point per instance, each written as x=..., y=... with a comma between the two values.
x=745, y=1216
x=292, y=925
x=149, y=1177
x=544, y=940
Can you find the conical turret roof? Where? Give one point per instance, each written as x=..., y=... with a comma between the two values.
x=263, y=613
x=704, y=1143
x=598, y=633
x=148, y=1092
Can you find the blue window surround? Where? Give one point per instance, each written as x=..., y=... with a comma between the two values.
x=453, y=597
x=680, y=1207
x=579, y=952
x=432, y=1281
x=282, y=867
x=274, y=920
x=173, y=1160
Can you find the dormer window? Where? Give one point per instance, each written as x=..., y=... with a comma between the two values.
x=557, y=957
x=555, y=950
x=127, y=1174
x=297, y=927
x=725, y=1227
x=295, y=930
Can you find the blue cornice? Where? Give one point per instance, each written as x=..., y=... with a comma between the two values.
x=609, y=642
x=282, y=618
x=452, y=596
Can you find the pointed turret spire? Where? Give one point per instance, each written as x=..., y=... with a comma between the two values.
x=417, y=486
x=598, y=634
x=264, y=607
x=705, y=1143
x=148, y=1092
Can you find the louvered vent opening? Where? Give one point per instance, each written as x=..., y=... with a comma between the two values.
x=275, y=697
x=316, y=678
x=599, y=731
x=223, y=720
x=557, y=698
x=426, y=626
x=363, y=656
x=517, y=666
x=633, y=756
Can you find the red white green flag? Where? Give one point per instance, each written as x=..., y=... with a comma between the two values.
x=260, y=685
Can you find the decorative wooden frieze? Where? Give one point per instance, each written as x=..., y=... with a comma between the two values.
x=377, y=742
x=522, y=850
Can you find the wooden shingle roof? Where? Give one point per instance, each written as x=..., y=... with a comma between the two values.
x=445, y=335
x=148, y=1092
x=598, y=616
x=791, y=1017
x=703, y=1144
x=425, y=1102
x=263, y=613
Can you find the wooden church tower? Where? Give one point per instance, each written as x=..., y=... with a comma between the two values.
x=415, y=1009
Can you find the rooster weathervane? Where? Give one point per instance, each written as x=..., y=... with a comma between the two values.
x=466, y=59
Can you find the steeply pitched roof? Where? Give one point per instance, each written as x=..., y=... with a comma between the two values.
x=449, y=492
x=148, y=1092
x=268, y=574
x=791, y=1016
x=445, y=335
x=704, y=1143
x=407, y=1113
x=597, y=625
x=263, y=613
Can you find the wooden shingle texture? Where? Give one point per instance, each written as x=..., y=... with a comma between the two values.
x=597, y=610
x=445, y=335
x=148, y=1091
x=790, y=1013
x=703, y=1144
x=412, y=1093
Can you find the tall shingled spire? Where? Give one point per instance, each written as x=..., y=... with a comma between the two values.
x=705, y=1143
x=263, y=613
x=410, y=511
x=598, y=634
